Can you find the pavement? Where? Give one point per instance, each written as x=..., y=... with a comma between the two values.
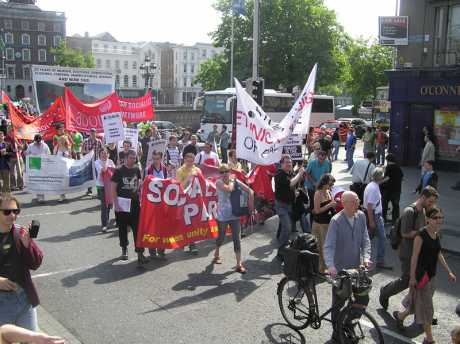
x=88, y=296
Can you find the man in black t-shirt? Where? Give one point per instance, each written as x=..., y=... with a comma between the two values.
x=191, y=147
x=285, y=183
x=126, y=183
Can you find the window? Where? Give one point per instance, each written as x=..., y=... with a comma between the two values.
x=134, y=81
x=108, y=64
x=126, y=81
x=114, y=48
x=124, y=48
x=185, y=82
x=106, y=47
x=453, y=35
x=41, y=40
x=117, y=64
x=134, y=65
x=185, y=68
x=26, y=72
x=192, y=70
x=56, y=40
x=96, y=46
x=99, y=63
x=203, y=53
x=185, y=55
x=25, y=39
x=8, y=24
x=41, y=55
x=26, y=54
x=56, y=27
x=192, y=56
x=153, y=56
x=9, y=38
x=41, y=27
x=10, y=72
x=117, y=81
x=25, y=25
x=9, y=54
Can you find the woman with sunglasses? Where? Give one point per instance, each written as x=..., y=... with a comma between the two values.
x=425, y=256
x=18, y=255
x=225, y=185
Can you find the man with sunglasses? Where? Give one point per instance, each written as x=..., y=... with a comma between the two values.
x=18, y=255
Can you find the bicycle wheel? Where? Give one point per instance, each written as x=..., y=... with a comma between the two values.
x=357, y=326
x=295, y=305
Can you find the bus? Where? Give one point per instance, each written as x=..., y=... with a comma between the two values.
x=217, y=108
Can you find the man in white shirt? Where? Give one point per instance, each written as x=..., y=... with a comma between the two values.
x=36, y=149
x=361, y=174
x=372, y=203
x=207, y=156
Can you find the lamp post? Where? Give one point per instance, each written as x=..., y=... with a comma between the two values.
x=148, y=72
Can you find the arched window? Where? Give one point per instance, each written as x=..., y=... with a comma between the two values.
x=25, y=39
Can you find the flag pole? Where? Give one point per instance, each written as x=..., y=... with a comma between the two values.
x=231, y=48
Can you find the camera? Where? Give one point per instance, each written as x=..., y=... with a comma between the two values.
x=34, y=228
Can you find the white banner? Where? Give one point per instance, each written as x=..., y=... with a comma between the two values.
x=131, y=135
x=113, y=127
x=258, y=139
x=158, y=146
x=51, y=174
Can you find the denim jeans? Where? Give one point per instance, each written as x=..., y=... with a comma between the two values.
x=349, y=155
x=335, y=152
x=380, y=157
x=236, y=233
x=15, y=309
x=105, y=210
x=380, y=235
x=305, y=223
x=284, y=212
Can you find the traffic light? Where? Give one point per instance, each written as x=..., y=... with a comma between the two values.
x=255, y=88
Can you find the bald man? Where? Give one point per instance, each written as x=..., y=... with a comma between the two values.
x=347, y=246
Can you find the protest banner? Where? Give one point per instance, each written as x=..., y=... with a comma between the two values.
x=258, y=139
x=155, y=146
x=131, y=135
x=113, y=127
x=25, y=129
x=137, y=109
x=83, y=117
x=172, y=217
x=52, y=174
x=293, y=147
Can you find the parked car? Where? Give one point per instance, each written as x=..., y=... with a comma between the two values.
x=165, y=125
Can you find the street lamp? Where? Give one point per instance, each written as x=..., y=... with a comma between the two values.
x=148, y=72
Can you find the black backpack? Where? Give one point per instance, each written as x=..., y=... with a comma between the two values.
x=395, y=232
x=305, y=241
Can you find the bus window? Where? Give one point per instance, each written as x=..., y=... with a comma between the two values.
x=323, y=105
x=277, y=104
x=214, y=110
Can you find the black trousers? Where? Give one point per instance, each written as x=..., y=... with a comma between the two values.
x=340, y=303
x=130, y=219
x=398, y=285
x=392, y=197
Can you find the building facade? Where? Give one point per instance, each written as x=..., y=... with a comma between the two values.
x=425, y=85
x=29, y=34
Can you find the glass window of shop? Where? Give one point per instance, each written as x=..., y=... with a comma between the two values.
x=447, y=132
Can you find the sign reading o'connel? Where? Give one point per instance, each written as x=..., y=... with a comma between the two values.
x=440, y=90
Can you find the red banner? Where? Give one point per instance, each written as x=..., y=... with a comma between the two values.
x=137, y=109
x=82, y=117
x=171, y=218
x=25, y=127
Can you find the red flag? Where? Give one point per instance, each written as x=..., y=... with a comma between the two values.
x=260, y=181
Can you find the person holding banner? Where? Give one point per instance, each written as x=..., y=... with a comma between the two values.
x=225, y=186
x=77, y=139
x=92, y=143
x=5, y=153
x=145, y=141
x=207, y=156
x=126, y=185
x=104, y=171
x=38, y=148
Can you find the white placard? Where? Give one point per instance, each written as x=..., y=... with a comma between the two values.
x=113, y=127
x=159, y=146
x=132, y=135
x=124, y=204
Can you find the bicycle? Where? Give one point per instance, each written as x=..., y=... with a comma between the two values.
x=298, y=300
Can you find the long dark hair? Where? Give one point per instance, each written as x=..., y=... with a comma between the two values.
x=325, y=179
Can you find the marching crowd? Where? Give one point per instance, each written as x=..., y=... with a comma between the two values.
x=344, y=222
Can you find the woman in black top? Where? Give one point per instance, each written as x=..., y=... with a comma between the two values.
x=391, y=188
x=425, y=257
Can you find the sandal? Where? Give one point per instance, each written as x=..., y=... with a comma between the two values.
x=217, y=260
x=399, y=322
x=425, y=341
x=241, y=269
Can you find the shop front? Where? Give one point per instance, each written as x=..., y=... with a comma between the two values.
x=428, y=98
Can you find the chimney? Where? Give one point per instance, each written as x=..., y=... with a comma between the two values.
x=86, y=34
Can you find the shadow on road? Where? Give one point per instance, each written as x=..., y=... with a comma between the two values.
x=89, y=231
x=282, y=334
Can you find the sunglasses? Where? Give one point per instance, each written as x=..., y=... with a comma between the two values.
x=7, y=212
x=437, y=218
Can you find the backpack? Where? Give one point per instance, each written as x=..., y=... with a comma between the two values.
x=395, y=232
x=239, y=201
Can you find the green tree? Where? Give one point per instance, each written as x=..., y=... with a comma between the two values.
x=213, y=74
x=67, y=57
x=294, y=35
x=367, y=62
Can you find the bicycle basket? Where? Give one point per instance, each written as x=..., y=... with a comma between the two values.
x=362, y=286
x=298, y=265
x=343, y=288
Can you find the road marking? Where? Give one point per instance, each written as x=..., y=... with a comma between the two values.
x=47, y=274
x=389, y=333
x=48, y=214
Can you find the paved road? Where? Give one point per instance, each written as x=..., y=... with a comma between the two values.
x=184, y=299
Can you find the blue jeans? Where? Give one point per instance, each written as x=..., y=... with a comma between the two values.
x=236, y=233
x=284, y=212
x=380, y=235
x=349, y=155
x=105, y=210
x=15, y=309
x=305, y=223
x=335, y=152
x=380, y=157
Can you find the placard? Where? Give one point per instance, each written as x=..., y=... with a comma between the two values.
x=159, y=146
x=132, y=135
x=113, y=127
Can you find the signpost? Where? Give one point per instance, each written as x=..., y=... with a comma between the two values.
x=394, y=30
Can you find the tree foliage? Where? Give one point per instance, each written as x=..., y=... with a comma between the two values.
x=67, y=57
x=214, y=74
x=367, y=62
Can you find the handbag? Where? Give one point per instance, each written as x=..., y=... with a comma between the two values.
x=423, y=281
